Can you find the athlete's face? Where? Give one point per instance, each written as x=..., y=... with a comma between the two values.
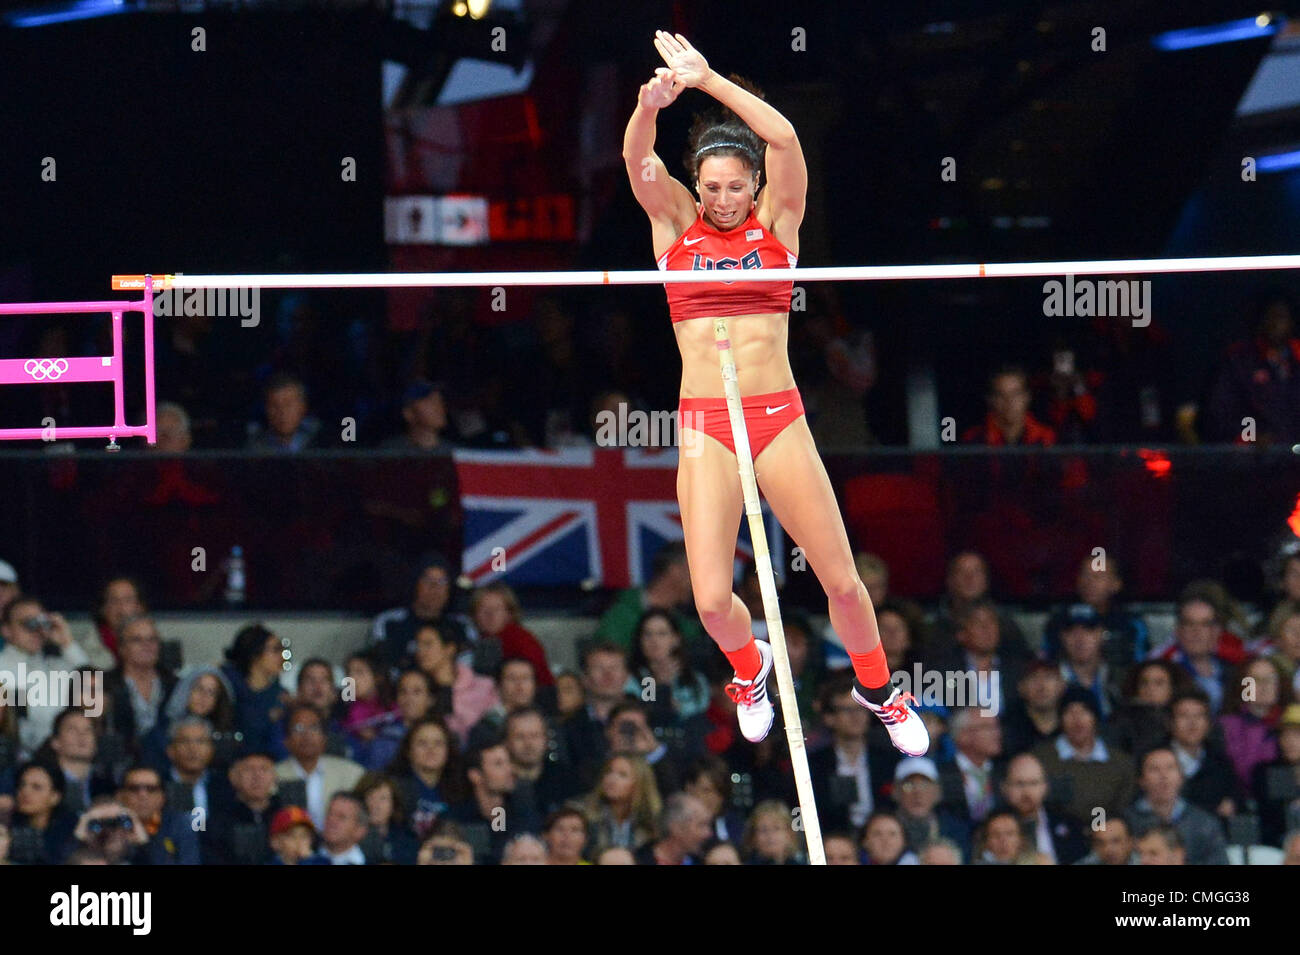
x=727, y=189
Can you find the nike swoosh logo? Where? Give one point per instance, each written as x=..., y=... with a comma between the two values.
x=693, y=241
x=771, y=410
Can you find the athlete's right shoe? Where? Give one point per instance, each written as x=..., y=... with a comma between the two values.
x=753, y=707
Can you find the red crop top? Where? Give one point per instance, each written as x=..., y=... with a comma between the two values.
x=747, y=246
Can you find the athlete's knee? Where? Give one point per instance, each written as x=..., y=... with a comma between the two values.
x=845, y=588
x=713, y=603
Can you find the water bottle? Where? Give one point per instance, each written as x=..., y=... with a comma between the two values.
x=235, y=577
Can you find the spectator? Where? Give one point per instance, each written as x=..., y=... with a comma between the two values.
x=722, y=853
x=41, y=645
x=289, y=427
x=542, y=780
x=883, y=841
x=1208, y=774
x=346, y=824
x=565, y=833
x=392, y=636
x=570, y=694
x=253, y=666
x=173, y=429
x=1256, y=396
x=1283, y=642
x=207, y=694
x=615, y=855
x=388, y=841
x=840, y=848
x=120, y=599
x=604, y=679
x=1052, y=833
x=72, y=748
x=427, y=770
x=1251, y=710
x=171, y=836
x=808, y=655
x=324, y=775
x=624, y=807
x=1161, y=845
x=669, y=588
x=483, y=817
x=1142, y=721
x=969, y=782
x=424, y=411
x=111, y=830
x=902, y=633
x=1162, y=804
x=1008, y=421
x=463, y=696
x=9, y=588
x=966, y=583
x=1112, y=844
x=1070, y=404
x=1202, y=646
x=368, y=704
x=1034, y=715
x=984, y=653
x=416, y=695
x=42, y=829
x=495, y=611
x=524, y=849
x=684, y=825
x=516, y=688
x=445, y=846
x=1082, y=660
x=875, y=577
x=140, y=686
x=769, y=836
x=292, y=835
x=1291, y=848
x=1097, y=586
x=191, y=783
x=917, y=792
x=238, y=828
x=1276, y=785
x=1097, y=776
x=708, y=779
x=941, y=852
x=659, y=666
x=1001, y=841
x=847, y=774
x=5, y=843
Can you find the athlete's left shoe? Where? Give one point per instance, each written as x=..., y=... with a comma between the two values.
x=906, y=730
x=754, y=708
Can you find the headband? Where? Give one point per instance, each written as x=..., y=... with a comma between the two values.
x=720, y=146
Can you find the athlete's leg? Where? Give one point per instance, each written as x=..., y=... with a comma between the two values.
x=708, y=492
x=796, y=485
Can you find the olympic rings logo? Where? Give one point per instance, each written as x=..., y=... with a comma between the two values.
x=46, y=369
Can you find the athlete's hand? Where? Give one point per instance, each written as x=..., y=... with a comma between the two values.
x=683, y=59
x=662, y=89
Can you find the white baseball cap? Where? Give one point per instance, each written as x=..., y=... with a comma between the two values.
x=7, y=573
x=916, y=766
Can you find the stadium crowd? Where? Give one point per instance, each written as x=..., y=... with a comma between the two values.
x=448, y=738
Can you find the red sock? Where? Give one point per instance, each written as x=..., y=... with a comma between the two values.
x=872, y=668
x=745, y=661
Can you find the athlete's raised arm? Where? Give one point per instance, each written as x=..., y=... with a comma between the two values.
x=665, y=200
x=787, y=173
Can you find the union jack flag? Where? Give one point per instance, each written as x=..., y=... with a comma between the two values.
x=582, y=515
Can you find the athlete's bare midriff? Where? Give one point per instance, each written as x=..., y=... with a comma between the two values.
x=758, y=344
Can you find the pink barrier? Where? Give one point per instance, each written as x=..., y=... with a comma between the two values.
x=28, y=371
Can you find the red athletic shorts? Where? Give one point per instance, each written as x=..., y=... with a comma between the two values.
x=765, y=417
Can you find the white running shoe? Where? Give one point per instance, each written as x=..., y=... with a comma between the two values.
x=753, y=708
x=906, y=730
